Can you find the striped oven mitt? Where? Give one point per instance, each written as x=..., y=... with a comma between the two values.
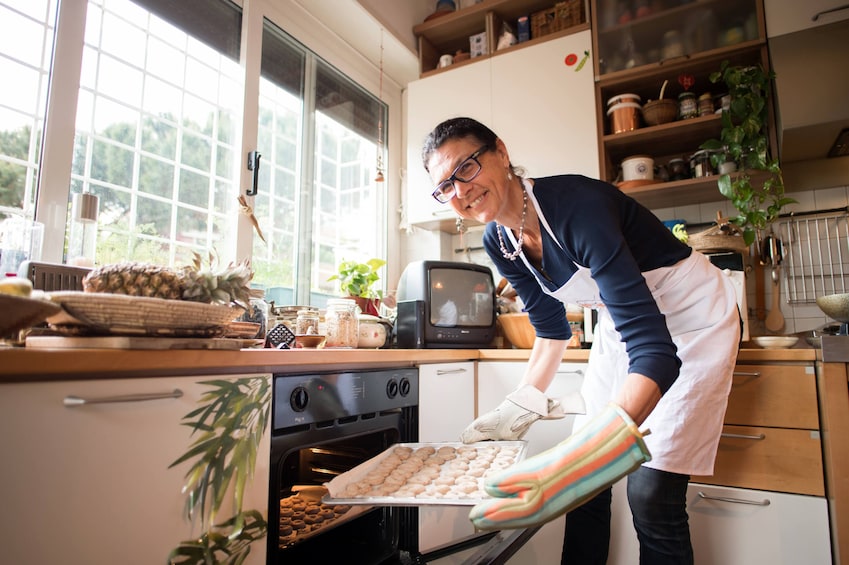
x=550, y=484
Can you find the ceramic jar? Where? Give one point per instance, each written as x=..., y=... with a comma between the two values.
x=371, y=333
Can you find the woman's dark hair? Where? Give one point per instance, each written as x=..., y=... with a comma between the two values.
x=457, y=128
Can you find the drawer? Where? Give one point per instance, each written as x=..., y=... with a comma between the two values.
x=773, y=459
x=781, y=396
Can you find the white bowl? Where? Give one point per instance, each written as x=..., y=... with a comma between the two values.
x=775, y=341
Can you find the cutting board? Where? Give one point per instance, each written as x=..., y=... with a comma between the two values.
x=136, y=342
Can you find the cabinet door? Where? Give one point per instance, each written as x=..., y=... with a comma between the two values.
x=731, y=526
x=465, y=91
x=786, y=17
x=544, y=109
x=495, y=381
x=92, y=484
x=446, y=407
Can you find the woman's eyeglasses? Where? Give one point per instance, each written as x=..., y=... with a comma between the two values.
x=465, y=172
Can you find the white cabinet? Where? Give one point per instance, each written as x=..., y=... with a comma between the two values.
x=495, y=381
x=541, y=107
x=446, y=407
x=784, y=17
x=91, y=483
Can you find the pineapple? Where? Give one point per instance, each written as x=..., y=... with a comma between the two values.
x=193, y=283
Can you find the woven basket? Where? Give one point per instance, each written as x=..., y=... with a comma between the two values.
x=721, y=237
x=120, y=314
x=656, y=112
x=560, y=16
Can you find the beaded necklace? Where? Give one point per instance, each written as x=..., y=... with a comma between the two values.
x=511, y=255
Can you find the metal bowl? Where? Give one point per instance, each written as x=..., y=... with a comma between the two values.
x=835, y=306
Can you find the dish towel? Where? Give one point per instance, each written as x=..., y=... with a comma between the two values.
x=555, y=481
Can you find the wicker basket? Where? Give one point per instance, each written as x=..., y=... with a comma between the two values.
x=721, y=237
x=561, y=16
x=656, y=112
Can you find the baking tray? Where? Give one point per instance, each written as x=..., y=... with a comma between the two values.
x=441, y=480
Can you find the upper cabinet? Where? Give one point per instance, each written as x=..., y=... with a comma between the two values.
x=783, y=17
x=642, y=44
x=450, y=33
x=540, y=100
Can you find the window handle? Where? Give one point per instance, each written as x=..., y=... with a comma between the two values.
x=253, y=165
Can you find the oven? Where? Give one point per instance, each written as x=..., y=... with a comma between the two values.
x=324, y=424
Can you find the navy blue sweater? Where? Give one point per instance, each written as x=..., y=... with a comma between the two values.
x=600, y=228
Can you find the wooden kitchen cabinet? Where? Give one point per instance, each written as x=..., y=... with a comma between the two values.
x=765, y=501
x=540, y=106
x=91, y=483
x=633, y=55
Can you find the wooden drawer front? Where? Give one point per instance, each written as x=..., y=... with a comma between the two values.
x=769, y=459
x=781, y=396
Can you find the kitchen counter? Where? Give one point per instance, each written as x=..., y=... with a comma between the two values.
x=22, y=364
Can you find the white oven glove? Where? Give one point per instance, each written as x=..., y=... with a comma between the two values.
x=514, y=416
x=547, y=485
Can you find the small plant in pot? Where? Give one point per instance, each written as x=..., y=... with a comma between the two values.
x=757, y=190
x=357, y=281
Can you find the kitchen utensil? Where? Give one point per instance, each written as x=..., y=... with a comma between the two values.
x=775, y=319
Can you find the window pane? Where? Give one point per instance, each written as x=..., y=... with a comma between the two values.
x=26, y=42
x=161, y=103
x=342, y=210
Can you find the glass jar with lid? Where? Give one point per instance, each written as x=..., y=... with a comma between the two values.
x=341, y=324
x=306, y=322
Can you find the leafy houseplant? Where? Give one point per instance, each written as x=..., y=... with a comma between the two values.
x=357, y=281
x=744, y=140
x=230, y=425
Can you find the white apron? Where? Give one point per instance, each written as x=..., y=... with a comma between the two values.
x=704, y=324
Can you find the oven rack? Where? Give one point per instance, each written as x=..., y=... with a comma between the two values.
x=815, y=254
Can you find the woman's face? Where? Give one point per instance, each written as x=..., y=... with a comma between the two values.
x=483, y=197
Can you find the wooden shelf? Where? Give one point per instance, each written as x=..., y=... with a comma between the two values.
x=665, y=139
x=681, y=193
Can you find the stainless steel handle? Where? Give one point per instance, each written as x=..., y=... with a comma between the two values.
x=745, y=436
x=450, y=371
x=755, y=374
x=764, y=502
x=72, y=401
x=575, y=372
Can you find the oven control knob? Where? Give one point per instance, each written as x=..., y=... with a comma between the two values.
x=392, y=388
x=405, y=386
x=299, y=399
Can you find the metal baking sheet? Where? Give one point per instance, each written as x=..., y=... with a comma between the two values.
x=451, y=481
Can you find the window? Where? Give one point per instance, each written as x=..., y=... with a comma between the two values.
x=157, y=136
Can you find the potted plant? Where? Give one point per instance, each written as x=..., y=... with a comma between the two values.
x=357, y=281
x=757, y=190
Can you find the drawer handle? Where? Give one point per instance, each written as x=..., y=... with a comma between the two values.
x=573, y=372
x=72, y=401
x=450, y=371
x=764, y=502
x=754, y=374
x=745, y=436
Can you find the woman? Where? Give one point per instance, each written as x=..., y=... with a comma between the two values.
x=662, y=357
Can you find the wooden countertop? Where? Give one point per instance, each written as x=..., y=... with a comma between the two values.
x=27, y=365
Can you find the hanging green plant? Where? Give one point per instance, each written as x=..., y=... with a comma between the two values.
x=230, y=422
x=757, y=191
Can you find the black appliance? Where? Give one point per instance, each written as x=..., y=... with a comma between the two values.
x=324, y=424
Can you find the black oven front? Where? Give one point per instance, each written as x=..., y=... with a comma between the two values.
x=324, y=424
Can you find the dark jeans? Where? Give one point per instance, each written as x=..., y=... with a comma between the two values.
x=658, y=502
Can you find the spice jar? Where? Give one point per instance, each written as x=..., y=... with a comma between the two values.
x=700, y=164
x=678, y=169
x=341, y=323
x=306, y=323
x=705, y=104
x=687, y=106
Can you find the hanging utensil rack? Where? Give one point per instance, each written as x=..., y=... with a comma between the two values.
x=816, y=254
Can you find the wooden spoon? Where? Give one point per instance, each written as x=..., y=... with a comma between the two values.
x=775, y=319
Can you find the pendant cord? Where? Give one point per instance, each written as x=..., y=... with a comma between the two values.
x=512, y=255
